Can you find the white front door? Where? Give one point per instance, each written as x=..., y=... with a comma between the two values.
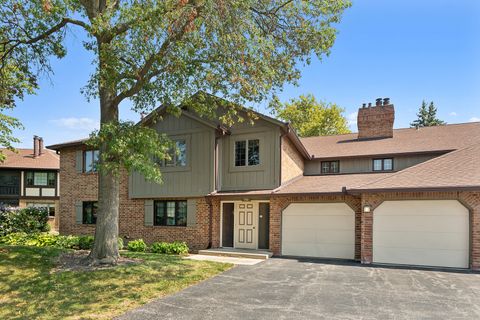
x=246, y=225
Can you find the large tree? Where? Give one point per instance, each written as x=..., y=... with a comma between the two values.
x=161, y=52
x=427, y=116
x=310, y=117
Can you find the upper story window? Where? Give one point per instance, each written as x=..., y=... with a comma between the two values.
x=330, y=167
x=177, y=155
x=170, y=213
x=247, y=152
x=89, y=212
x=40, y=179
x=385, y=164
x=90, y=160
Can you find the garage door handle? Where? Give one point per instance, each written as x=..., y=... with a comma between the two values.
x=253, y=228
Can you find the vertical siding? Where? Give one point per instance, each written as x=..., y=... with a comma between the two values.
x=361, y=165
x=264, y=176
x=197, y=178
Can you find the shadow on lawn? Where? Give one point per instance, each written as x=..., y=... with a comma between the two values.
x=30, y=290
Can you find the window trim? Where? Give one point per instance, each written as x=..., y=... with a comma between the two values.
x=84, y=161
x=247, y=147
x=383, y=164
x=155, y=204
x=83, y=211
x=329, y=167
x=263, y=149
x=27, y=185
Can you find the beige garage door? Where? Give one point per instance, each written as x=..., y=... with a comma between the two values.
x=421, y=232
x=319, y=230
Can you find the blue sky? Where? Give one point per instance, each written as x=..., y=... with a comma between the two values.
x=403, y=49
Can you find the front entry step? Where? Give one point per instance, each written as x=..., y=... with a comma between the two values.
x=237, y=253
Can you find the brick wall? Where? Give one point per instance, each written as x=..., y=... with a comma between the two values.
x=292, y=164
x=279, y=203
x=376, y=122
x=471, y=200
x=83, y=187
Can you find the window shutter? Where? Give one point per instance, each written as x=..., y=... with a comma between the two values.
x=78, y=212
x=191, y=212
x=79, y=161
x=149, y=212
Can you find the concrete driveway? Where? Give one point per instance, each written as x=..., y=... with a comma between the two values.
x=292, y=289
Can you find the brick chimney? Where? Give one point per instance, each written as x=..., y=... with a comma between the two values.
x=376, y=121
x=40, y=145
x=36, y=146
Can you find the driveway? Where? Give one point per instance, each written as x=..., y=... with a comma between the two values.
x=309, y=289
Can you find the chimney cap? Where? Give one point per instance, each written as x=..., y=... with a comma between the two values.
x=378, y=101
x=386, y=101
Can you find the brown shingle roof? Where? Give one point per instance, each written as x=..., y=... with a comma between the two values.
x=410, y=140
x=328, y=183
x=458, y=169
x=23, y=159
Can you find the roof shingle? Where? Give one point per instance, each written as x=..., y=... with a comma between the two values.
x=458, y=169
x=409, y=140
x=23, y=159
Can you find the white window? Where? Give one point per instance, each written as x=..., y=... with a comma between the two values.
x=49, y=207
x=247, y=153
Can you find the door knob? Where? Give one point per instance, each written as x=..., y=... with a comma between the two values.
x=254, y=228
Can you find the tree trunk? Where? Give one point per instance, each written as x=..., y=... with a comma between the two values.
x=105, y=248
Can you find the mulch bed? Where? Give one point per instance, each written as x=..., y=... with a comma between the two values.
x=77, y=261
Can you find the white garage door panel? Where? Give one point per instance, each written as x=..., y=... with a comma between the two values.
x=421, y=232
x=430, y=240
x=318, y=230
x=409, y=256
x=442, y=223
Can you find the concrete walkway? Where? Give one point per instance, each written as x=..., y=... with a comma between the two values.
x=291, y=289
x=223, y=259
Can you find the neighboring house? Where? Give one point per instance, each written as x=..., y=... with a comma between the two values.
x=404, y=196
x=30, y=178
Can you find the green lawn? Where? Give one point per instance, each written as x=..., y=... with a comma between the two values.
x=30, y=289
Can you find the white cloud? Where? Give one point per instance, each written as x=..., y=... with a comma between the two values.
x=86, y=124
x=474, y=119
x=352, y=119
x=453, y=114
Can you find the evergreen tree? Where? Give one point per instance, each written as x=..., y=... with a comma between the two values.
x=427, y=116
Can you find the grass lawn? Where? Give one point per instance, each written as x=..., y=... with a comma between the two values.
x=29, y=289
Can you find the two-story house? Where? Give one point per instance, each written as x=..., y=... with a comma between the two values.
x=403, y=196
x=30, y=177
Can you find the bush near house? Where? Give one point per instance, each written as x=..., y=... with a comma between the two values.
x=137, y=245
x=176, y=247
x=28, y=220
x=51, y=240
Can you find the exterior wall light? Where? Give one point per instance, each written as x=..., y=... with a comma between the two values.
x=367, y=208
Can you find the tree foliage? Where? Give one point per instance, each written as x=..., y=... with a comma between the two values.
x=310, y=117
x=161, y=52
x=427, y=116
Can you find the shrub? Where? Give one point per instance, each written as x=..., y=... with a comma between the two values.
x=29, y=220
x=176, y=247
x=137, y=245
x=85, y=242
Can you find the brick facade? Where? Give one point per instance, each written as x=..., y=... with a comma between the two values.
x=291, y=161
x=83, y=187
x=206, y=232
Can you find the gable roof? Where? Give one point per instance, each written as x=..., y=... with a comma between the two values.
x=459, y=170
x=409, y=140
x=24, y=159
